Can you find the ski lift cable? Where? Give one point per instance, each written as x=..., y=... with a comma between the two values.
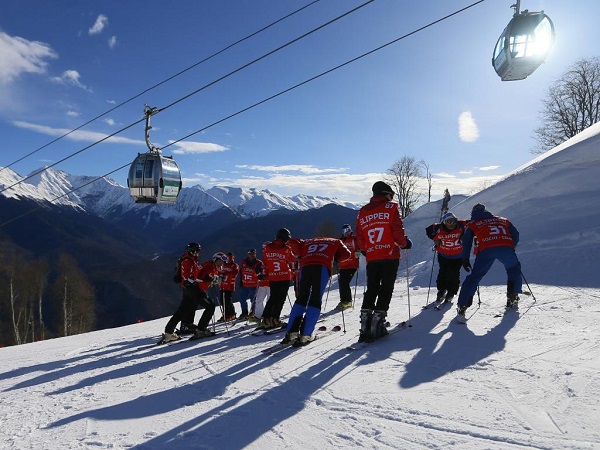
x=181, y=72
x=259, y=102
x=381, y=47
x=194, y=92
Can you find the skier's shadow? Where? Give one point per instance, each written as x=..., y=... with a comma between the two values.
x=249, y=419
x=414, y=336
x=461, y=349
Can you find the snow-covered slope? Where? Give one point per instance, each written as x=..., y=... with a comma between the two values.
x=530, y=380
x=554, y=202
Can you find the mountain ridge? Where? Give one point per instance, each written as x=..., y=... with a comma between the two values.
x=107, y=199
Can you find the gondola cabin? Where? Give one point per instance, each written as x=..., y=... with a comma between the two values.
x=523, y=45
x=154, y=178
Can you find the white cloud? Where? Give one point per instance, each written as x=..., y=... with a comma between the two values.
x=444, y=175
x=99, y=25
x=110, y=122
x=22, y=56
x=185, y=148
x=73, y=113
x=78, y=135
x=354, y=188
x=467, y=128
x=302, y=168
x=70, y=78
x=112, y=42
x=488, y=168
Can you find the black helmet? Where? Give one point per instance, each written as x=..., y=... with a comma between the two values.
x=382, y=188
x=283, y=234
x=193, y=247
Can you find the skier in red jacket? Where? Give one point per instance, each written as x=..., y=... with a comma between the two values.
x=347, y=268
x=380, y=234
x=447, y=237
x=316, y=265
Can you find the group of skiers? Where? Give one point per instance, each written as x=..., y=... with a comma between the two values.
x=307, y=264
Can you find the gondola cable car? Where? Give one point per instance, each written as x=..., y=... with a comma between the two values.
x=153, y=178
x=523, y=45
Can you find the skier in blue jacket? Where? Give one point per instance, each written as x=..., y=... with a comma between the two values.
x=496, y=238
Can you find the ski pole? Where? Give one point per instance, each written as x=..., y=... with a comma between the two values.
x=343, y=321
x=355, y=285
x=530, y=291
x=220, y=296
x=327, y=296
x=478, y=297
x=408, y=286
x=430, y=277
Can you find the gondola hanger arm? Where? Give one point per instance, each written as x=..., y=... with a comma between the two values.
x=149, y=112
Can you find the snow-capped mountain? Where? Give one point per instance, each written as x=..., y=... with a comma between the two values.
x=106, y=198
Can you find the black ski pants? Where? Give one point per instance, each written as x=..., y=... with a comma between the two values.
x=278, y=291
x=344, y=279
x=227, y=302
x=192, y=298
x=448, y=278
x=381, y=277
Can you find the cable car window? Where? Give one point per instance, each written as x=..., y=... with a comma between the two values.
x=149, y=169
x=499, y=45
x=139, y=169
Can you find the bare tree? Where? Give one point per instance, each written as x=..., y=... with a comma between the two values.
x=15, y=285
x=40, y=277
x=572, y=105
x=404, y=176
x=429, y=179
x=75, y=296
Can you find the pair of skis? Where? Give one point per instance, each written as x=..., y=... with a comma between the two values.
x=503, y=312
x=364, y=344
x=270, y=331
x=321, y=333
x=438, y=305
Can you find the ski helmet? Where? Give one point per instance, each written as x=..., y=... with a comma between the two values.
x=219, y=256
x=381, y=188
x=283, y=234
x=448, y=216
x=193, y=247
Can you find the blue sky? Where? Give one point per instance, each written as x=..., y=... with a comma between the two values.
x=65, y=62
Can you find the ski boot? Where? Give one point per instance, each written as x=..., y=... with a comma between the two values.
x=460, y=314
x=365, y=325
x=169, y=337
x=290, y=337
x=378, y=328
x=512, y=301
x=303, y=340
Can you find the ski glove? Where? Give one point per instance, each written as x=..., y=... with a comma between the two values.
x=466, y=265
x=408, y=245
